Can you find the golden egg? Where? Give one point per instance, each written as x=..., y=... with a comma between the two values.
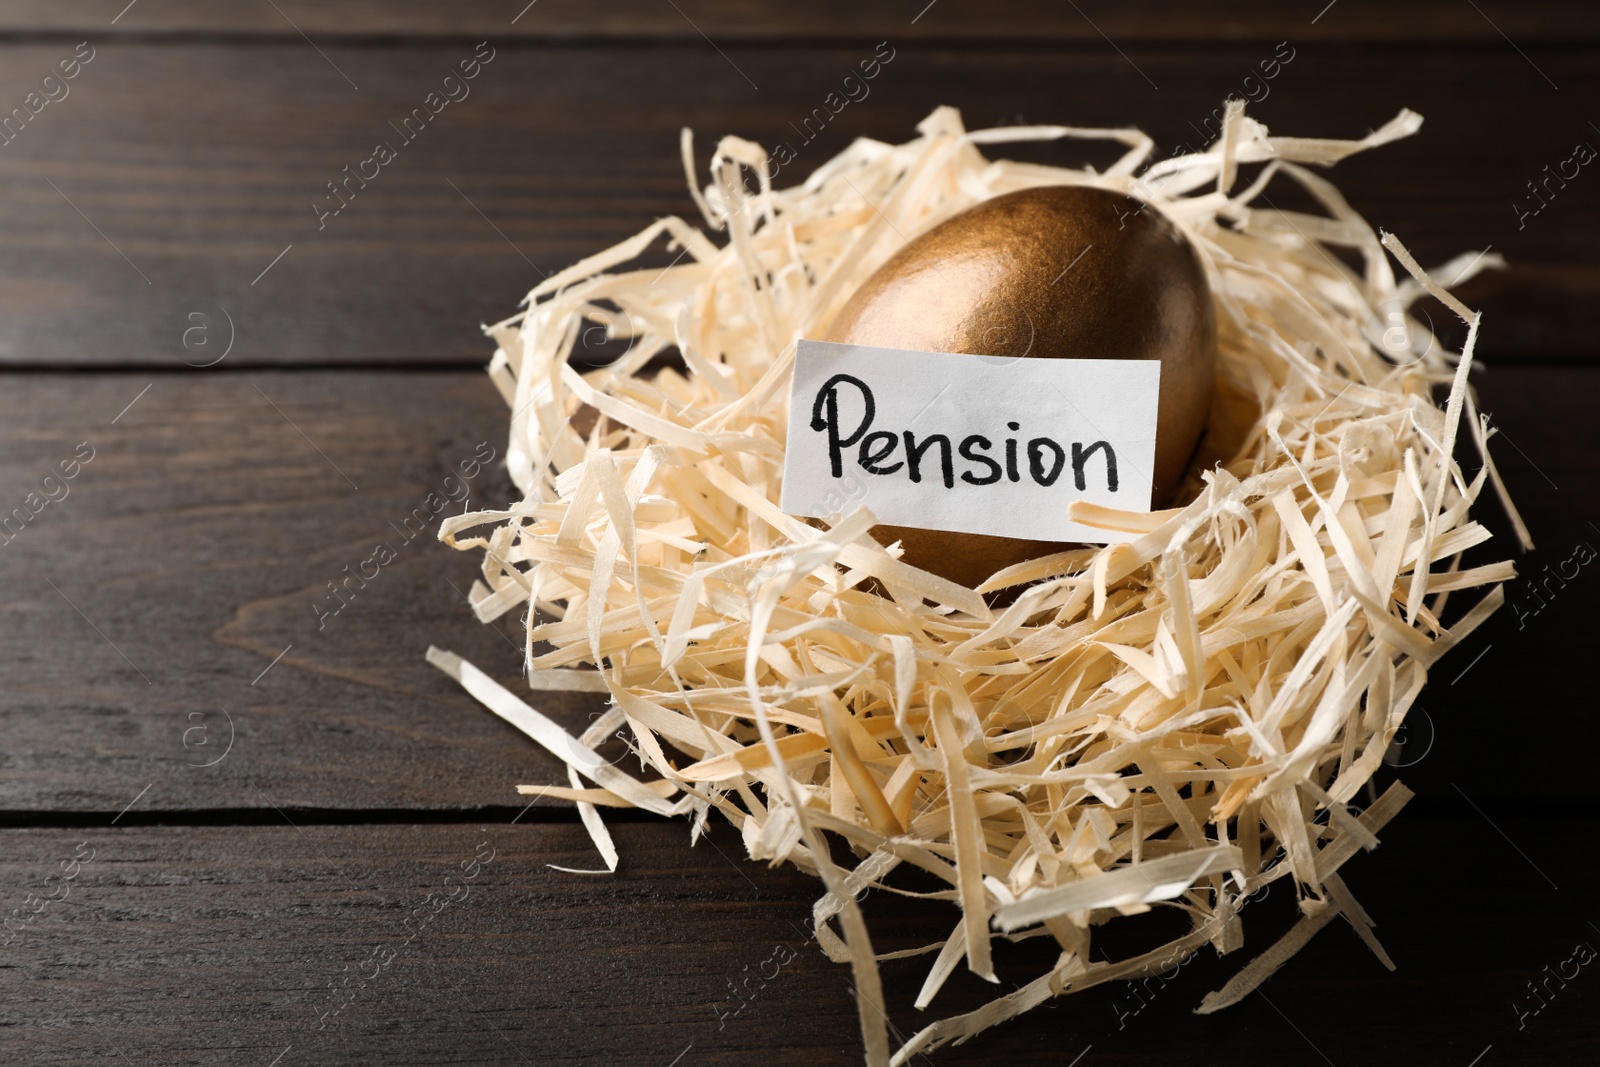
x=1055, y=272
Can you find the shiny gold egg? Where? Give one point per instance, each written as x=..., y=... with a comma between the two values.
x=1055, y=272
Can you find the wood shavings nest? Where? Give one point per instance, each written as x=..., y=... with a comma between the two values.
x=1171, y=722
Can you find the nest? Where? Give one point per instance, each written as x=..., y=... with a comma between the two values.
x=1169, y=722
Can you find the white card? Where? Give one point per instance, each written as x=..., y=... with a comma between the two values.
x=975, y=444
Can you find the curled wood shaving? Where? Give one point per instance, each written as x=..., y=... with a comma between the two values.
x=1160, y=723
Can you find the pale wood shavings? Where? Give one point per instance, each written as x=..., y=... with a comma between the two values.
x=1160, y=723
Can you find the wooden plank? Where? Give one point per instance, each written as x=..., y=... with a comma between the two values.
x=208, y=944
x=149, y=599
x=743, y=21
x=200, y=540
x=181, y=179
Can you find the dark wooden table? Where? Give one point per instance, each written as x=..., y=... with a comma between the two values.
x=220, y=823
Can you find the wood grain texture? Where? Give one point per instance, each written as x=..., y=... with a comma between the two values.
x=198, y=544
x=199, y=541
x=211, y=944
x=776, y=23
x=174, y=176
